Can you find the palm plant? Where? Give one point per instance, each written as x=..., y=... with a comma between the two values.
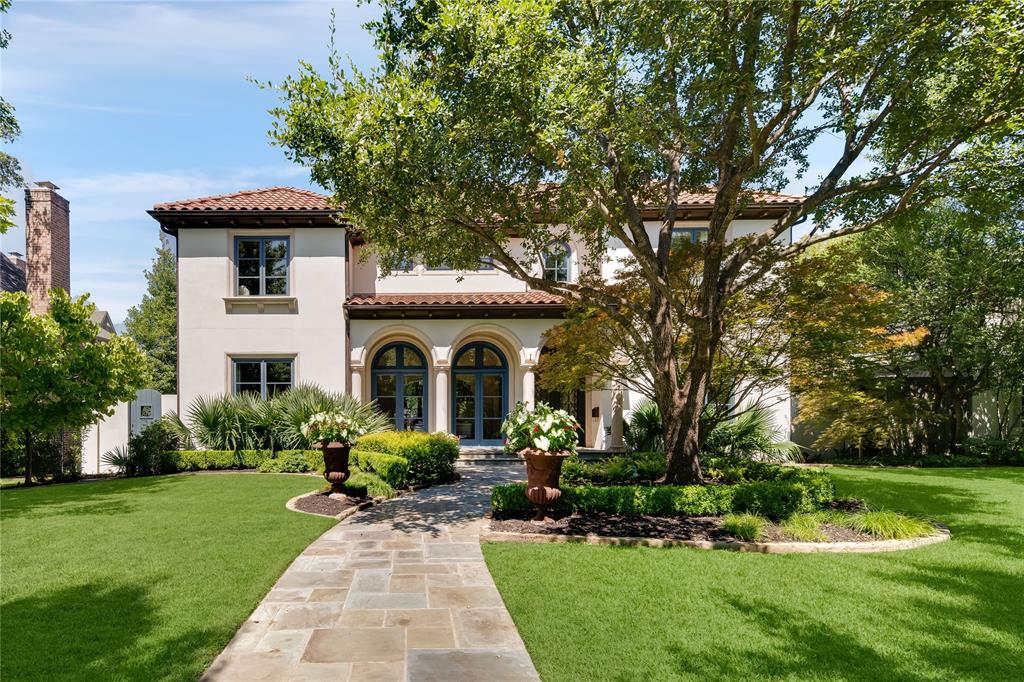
x=751, y=435
x=246, y=421
x=645, y=430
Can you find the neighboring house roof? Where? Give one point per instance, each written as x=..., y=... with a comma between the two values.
x=267, y=199
x=12, y=277
x=759, y=198
x=101, y=318
x=524, y=304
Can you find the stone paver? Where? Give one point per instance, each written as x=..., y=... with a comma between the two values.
x=397, y=592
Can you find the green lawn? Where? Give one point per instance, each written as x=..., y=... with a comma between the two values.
x=952, y=611
x=140, y=579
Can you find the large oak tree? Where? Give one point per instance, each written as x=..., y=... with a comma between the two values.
x=491, y=121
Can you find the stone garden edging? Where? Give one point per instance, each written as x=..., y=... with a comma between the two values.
x=941, y=535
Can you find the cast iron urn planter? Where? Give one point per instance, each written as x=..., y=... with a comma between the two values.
x=542, y=472
x=335, y=463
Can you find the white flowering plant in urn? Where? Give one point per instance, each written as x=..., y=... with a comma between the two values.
x=542, y=428
x=331, y=427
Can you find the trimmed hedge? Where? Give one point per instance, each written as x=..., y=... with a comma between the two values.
x=290, y=462
x=392, y=469
x=773, y=499
x=200, y=460
x=431, y=456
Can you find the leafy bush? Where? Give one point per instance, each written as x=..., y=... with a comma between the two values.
x=431, y=457
x=996, y=451
x=391, y=469
x=251, y=459
x=143, y=454
x=369, y=483
x=620, y=469
x=574, y=470
x=692, y=500
x=220, y=459
x=288, y=462
x=776, y=499
x=747, y=527
x=650, y=466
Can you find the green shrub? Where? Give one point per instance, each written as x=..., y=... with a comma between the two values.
x=391, y=469
x=314, y=460
x=431, y=456
x=286, y=461
x=189, y=460
x=650, y=466
x=369, y=483
x=745, y=527
x=804, y=527
x=251, y=459
x=574, y=470
x=692, y=500
x=220, y=459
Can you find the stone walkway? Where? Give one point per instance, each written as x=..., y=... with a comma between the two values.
x=397, y=592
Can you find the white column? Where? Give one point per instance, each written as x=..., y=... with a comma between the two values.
x=529, y=382
x=441, y=399
x=356, y=385
x=616, y=417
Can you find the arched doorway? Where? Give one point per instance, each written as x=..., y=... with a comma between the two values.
x=574, y=402
x=480, y=398
x=399, y=385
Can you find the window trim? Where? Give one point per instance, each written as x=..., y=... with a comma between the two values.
x=262, y=239
x=263, y=372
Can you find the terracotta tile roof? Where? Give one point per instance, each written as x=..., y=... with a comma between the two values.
x=518, y=298
x=758, y=198
x=266, y=199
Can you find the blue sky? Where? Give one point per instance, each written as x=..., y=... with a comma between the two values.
x=124, y=105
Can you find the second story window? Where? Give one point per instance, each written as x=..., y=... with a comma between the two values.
x=689, y=235
x=262, y=266
x=555, y=262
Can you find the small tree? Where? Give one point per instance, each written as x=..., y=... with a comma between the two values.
x=55, y=376
x=154, y=322
x=490, y=130
x=952, y=278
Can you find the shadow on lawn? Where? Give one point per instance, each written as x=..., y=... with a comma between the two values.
x=117, y=496
x=94, y=631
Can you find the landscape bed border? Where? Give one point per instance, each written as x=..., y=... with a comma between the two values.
x=846, y=547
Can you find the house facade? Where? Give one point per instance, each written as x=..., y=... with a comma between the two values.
x=275, y=290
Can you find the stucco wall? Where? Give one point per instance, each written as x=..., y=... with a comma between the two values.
x=312, y=330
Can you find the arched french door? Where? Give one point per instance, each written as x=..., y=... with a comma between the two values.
x=480, y=398
x=399, y=385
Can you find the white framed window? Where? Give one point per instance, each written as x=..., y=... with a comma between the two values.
x=555, y=262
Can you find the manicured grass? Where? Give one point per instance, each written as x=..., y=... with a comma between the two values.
x=950, y=611
x=140, y=579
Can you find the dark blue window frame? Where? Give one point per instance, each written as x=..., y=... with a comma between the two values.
x=401, y=371
x=692, y=234
x=478, y=371
x=263, y=384
x=262, y=241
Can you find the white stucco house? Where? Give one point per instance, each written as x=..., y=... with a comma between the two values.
x=273, y=291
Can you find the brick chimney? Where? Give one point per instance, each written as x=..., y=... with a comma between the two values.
x=48, y=244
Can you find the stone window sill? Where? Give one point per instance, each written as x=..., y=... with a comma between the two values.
x=260, y=304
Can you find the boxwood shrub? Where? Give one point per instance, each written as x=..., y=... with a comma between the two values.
x=431, y=456
x=288, y=461
x=775, y=499
x=251, y=459
x=392, y=469
x=198, y=460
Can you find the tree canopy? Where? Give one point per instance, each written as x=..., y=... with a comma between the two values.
x=491, y=128
x=10, y=169
x=154, y=322
x=55, y=375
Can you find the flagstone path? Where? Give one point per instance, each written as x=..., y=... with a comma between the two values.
x=397, y=592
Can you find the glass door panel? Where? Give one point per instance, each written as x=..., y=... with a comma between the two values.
x=465, y=407
x=492, y=412
x=413, y=392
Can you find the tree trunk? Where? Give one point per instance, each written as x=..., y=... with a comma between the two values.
x=28, y=457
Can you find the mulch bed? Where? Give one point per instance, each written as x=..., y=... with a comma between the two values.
x=668, y=527
x=325, y=505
